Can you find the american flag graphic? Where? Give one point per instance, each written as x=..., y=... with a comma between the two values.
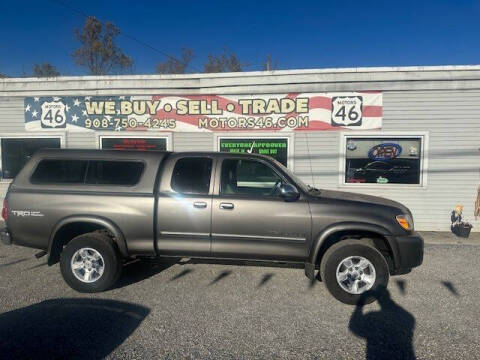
x=207, y=113
x=74, y=112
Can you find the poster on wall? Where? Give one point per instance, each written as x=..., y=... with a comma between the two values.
x=276, y=148
x=129, y=143
x=206, y=113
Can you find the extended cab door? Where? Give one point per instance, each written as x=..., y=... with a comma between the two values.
x=250, y=220
x=184, y=206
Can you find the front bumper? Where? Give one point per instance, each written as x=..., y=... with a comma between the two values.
x=5, y=237
x=410, y=251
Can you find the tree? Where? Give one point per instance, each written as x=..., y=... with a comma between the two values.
x=2, y=75
x=98, y=51
x=45, y=70
x=174, y=66
x=223, y=63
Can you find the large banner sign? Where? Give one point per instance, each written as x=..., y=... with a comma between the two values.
x=278, y=112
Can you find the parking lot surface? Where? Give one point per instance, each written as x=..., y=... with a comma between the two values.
x=229, y=310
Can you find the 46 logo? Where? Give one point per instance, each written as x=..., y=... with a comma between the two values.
x=53, y=115
x=347, y=110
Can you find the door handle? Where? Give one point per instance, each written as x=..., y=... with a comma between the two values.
x=200, y=204
x=226, y=206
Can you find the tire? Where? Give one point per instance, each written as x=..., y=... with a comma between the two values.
x=110, y=263
x=333, y=261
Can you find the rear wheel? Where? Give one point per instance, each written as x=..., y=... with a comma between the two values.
x=353, y=267
x=91, y=262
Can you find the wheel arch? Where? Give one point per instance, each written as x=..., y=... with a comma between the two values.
x=72, y=226
x=336, y=232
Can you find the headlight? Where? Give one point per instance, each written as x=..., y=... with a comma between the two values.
x=405, y=221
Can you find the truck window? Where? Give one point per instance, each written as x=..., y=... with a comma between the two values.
x=125, y=173
x=192, y=175
x=247, y=177
x=99, y=172
x=59, y=172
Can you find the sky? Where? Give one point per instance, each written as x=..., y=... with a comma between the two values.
x=298, y=34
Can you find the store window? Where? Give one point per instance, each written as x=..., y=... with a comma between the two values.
x=383, y=160
x=274, y=147
x=131, y=143
x=17, y=151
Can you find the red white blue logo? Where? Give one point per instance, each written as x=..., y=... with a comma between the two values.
x=385, y=151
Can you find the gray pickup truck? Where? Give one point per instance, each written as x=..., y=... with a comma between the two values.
x=91, y=210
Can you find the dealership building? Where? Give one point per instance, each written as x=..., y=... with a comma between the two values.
x=411, y=134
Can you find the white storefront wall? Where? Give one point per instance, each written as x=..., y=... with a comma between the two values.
x=439, y=105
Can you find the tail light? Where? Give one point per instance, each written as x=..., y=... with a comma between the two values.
x=5, y=210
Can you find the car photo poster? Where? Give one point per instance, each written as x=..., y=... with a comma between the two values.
x=207, y=113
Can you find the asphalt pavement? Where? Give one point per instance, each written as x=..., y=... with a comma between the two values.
x=188, y=308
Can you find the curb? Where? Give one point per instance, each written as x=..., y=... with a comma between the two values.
x=447, y=238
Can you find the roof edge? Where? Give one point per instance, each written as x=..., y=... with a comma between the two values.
x=194, y=76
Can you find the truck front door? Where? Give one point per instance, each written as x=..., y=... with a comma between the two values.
x=184, y=206
x=250, y=220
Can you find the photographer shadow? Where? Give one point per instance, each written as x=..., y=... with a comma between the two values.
x=388, y=332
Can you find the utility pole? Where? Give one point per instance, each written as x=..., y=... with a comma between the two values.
x=269, y=59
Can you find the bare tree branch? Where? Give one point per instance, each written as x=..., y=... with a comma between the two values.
x=224, y=63
x=45, y=70
x=174, y=66
x=98, y=51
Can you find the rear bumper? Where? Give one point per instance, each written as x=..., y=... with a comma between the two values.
x=5, y=237
x=410, y=251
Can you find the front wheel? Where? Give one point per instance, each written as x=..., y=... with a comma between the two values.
x=91, y=263
x=351, y=268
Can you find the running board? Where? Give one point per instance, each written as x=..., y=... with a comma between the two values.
x=40, y=254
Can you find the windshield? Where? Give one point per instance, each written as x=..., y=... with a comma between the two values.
x=298, y=181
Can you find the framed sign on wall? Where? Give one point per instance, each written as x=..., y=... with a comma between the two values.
x=139, y=141
x=278, y=147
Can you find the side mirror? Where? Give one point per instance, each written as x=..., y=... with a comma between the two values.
x=288, y=192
